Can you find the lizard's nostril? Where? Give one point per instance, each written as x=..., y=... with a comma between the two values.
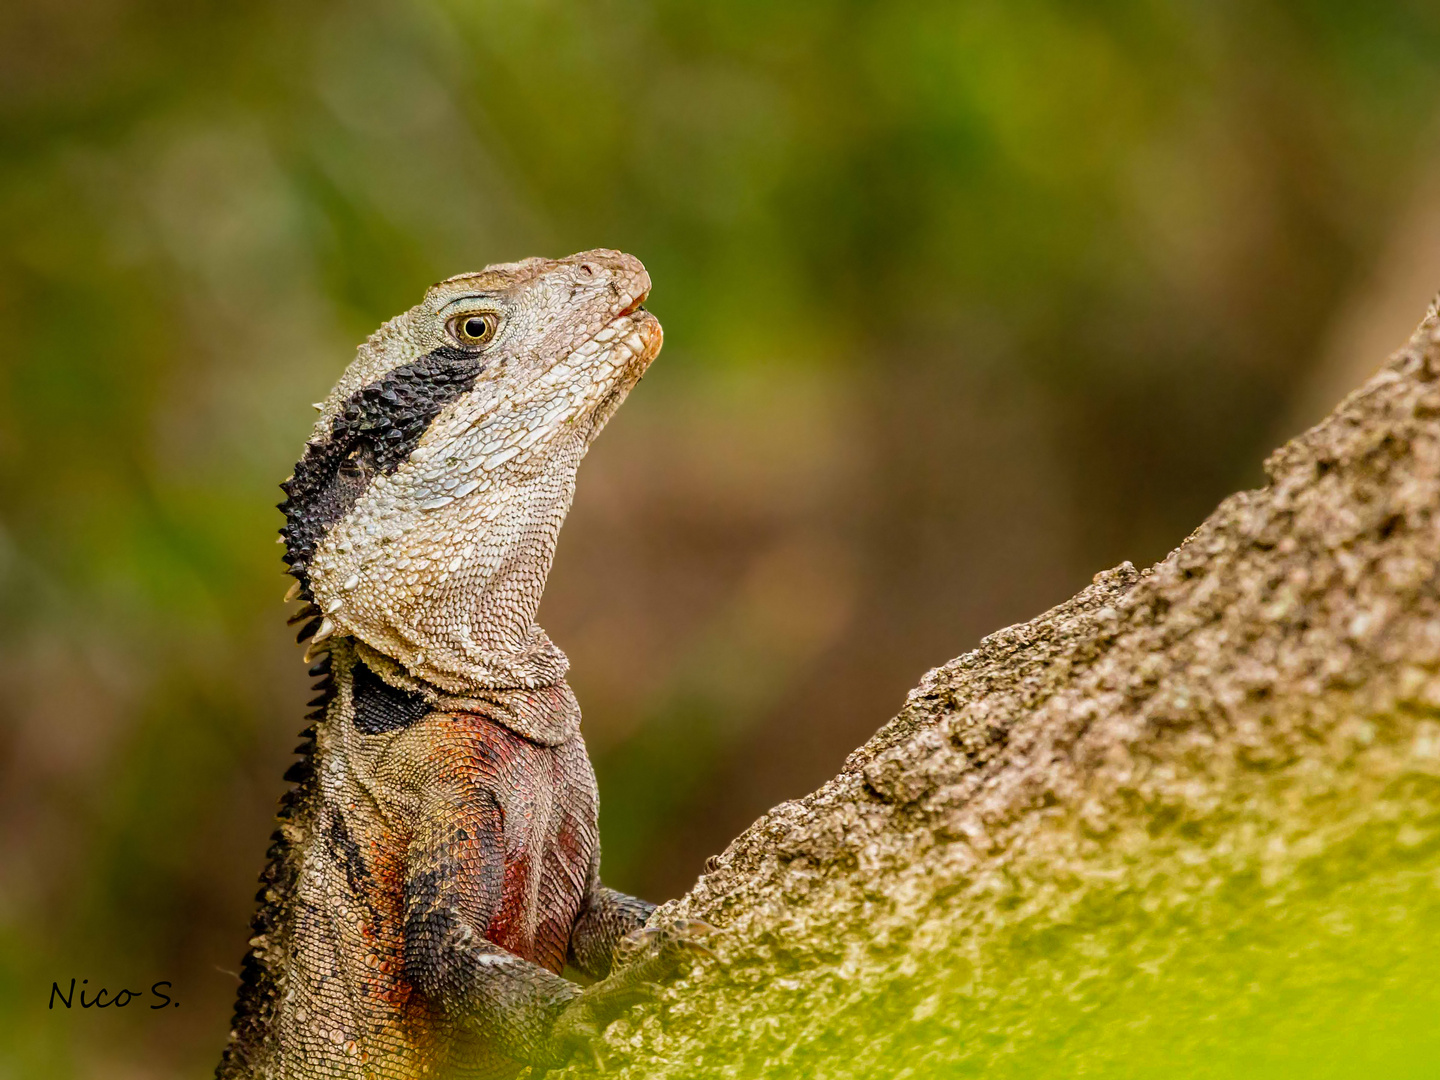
x=586, y=270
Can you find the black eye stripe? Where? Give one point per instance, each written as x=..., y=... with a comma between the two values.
x=383, y=422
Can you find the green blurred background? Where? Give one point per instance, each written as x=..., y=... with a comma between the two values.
x=963, y=302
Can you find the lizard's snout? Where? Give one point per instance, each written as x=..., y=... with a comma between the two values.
x=627, y=274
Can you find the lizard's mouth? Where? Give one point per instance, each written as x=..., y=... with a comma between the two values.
x=635, y=305
x=648, y=327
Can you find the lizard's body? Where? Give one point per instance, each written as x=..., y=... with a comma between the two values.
x=437, y=861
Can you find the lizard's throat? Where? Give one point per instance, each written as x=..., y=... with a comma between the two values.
x=453, y=602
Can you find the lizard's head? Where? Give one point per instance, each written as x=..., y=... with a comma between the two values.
x=423, y=516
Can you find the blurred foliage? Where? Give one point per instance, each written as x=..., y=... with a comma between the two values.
x=964, y=302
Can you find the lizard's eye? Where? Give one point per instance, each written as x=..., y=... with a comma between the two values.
x=473, y=330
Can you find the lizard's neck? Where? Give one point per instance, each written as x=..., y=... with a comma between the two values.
x=452, y=602
x=548, y=715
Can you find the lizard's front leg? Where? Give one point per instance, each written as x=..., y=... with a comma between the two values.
x=610, y=930
x=606, y=918
x=453, y=888
x=610, y=942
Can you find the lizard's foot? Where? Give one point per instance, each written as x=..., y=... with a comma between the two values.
x=578, y=1027
x=645, y=960
x=672, y=942
x=577, y=1030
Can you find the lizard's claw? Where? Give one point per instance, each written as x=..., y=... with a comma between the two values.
x=691, y=935
x=666, y=944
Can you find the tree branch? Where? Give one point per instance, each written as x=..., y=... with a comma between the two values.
x=1188, y=821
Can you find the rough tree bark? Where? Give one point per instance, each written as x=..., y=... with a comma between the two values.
x=1186, y=823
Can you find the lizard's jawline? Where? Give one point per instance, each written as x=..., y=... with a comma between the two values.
x=643, y=323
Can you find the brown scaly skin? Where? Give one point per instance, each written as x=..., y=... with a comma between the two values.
x=437, y=862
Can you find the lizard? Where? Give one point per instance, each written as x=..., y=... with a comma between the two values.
x=436, y=861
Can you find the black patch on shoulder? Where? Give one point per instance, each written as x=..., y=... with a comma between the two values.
x=377, y=429
x=380, y=707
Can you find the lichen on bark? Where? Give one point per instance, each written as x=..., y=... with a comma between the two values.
x=1186, y=823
